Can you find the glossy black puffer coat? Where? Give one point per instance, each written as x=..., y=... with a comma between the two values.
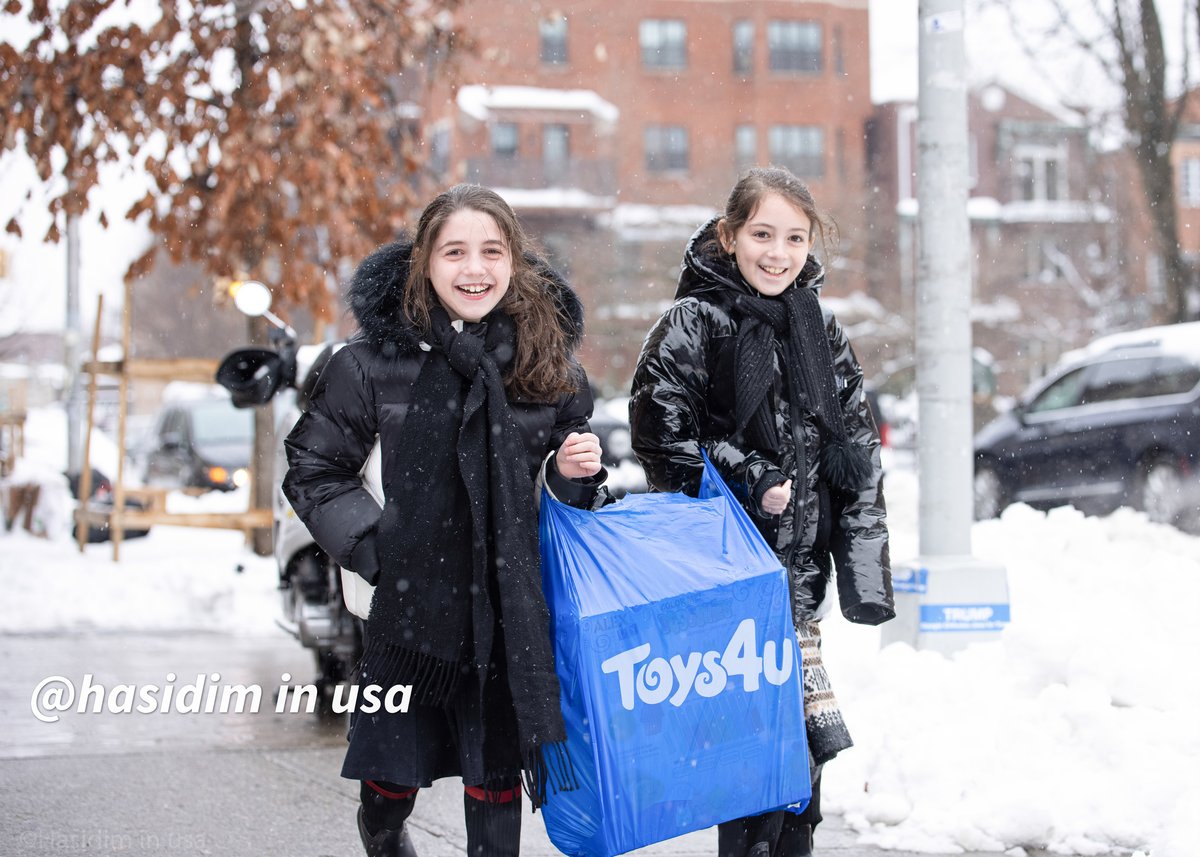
x=683, y=402
x=365, y=390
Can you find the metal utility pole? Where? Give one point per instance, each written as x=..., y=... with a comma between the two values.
x=945, y=598
x=943, y=285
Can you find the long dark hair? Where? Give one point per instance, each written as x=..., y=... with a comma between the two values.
x=542, y=368
x=758, y=182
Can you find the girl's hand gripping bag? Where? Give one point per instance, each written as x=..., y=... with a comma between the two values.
x=679, y=669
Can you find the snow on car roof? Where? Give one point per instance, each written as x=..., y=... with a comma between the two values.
x=1182, y=339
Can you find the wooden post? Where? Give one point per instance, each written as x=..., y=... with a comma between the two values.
x=82, y=524
x=117, y=527
x=256, y=519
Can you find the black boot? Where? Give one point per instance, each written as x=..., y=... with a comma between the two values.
x=796, y=838
x=387, y=842
x=754, y=836
x=493, y=825
x=381, y=820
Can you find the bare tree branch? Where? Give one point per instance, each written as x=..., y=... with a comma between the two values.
x=1133, y=32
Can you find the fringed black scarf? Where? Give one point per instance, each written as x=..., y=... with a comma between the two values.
x=458, y=525
x=795, y=317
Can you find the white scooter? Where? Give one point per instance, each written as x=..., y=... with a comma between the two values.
x=310, y=583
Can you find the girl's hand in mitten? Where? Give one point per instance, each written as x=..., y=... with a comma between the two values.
x=775, y=499
x=579, y=456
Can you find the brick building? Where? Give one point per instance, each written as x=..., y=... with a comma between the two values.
x=615, y=129
x=1185, y=158
x=1052, y=264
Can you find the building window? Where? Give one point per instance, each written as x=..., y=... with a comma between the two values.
x=1039, y=173
x=664, y=43
x=794, y=45
x=745, y=145
x=743, y=47
x=666, y=148
x=1189, y=182
x=553, y=33
x=800, y=148
x=839, y=58
x=504, y=140
x=556, y=150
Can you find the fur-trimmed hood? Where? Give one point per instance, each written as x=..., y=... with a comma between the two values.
x=376, y=297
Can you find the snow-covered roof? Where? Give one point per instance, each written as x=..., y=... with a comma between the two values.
x=986, y=208
x=637, y=222
x=993, y=91
x=479, y=101
x=554, y=197
x=192, y=391
x=855, y=306
x=1003, y=310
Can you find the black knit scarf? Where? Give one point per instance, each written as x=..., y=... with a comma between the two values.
x=795, y=317
x=458, y=527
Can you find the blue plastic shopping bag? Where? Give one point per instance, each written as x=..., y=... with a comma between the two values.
x=679, y=669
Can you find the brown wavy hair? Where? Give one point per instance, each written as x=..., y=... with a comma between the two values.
x=753, y=186
x=542, y=369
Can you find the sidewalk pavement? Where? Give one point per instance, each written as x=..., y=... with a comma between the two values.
x=248, y=802
x=234, y=784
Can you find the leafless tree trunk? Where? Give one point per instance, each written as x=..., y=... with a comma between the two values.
x=1153, y=122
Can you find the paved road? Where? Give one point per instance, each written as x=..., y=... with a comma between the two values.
x=247, y=783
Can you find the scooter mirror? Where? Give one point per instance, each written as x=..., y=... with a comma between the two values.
x=253, y=375
x=251, y=298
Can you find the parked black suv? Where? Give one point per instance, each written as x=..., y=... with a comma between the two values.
x=1117, y=423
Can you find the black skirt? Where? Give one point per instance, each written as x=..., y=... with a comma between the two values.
x=474, y=736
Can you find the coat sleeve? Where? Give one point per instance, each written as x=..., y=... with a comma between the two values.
x=571, y=415
x=326, y=451
x=859, y=535
x=668, y=409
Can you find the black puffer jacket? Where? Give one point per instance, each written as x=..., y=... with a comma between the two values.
x=365, y=390
x=683, y=402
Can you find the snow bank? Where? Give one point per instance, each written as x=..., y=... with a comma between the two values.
x=1075, y=732
x=175, y=578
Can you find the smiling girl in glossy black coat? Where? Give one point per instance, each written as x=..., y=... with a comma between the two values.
x=747, y=367
x=464, y=371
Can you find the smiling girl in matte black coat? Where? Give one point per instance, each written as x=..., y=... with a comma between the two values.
x=464, y=371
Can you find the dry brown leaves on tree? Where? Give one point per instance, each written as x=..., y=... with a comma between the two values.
x=277, y=135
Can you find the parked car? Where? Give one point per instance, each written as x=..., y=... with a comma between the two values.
x=201, y=443
x=101, y=500
x=1116, y=423
x=610, y=422
x=881, y=423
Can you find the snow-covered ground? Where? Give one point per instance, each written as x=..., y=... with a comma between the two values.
x=174, y=578
x=1076, y=731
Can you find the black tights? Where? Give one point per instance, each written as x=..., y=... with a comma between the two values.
x=776, y=834
x=493, y=817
